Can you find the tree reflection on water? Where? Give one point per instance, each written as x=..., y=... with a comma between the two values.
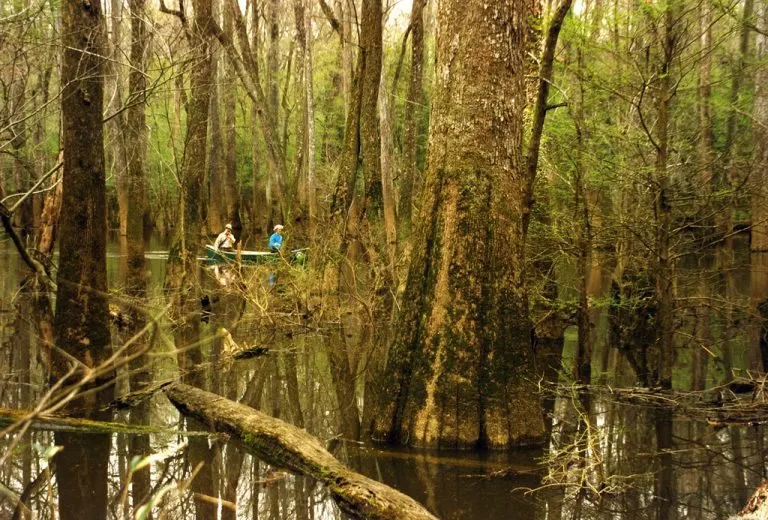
x=605, y=459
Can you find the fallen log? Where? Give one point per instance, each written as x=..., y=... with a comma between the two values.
x=284, y=445
x=757, y=506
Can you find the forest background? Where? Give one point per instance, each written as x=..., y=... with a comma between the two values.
x=634, y=138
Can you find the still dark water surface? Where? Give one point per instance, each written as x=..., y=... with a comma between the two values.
x=606, y=460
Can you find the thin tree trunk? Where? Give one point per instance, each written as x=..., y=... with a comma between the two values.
x=387, y=185
x=272, y=108
x=758, y=283
x=759, y=174
x=540, y=108
x=706, y=159
x=662, y=207
x=345, y=9
x=310, y=117
x=705, y=144
x=136, y=138
x=217, y=205
x=228, y=95
x=413, y=115
x=583, y=363
x=258, y=201
x=301, y=97
x=117, y=128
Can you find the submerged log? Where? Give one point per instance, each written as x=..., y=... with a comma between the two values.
x=12, y=418
x=292, y=448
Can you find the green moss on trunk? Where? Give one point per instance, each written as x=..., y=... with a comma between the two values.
x=461, y=359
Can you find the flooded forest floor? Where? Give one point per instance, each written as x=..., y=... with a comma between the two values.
x=615, y=450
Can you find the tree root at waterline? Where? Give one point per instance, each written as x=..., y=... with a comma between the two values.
x=292, y=448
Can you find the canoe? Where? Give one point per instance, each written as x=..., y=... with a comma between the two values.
x=247, y=257
x=298, y=256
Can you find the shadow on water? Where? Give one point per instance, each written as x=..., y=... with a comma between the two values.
x=605, y=459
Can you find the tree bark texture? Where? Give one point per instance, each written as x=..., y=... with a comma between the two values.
x=706, y=137
x=228, y=94
x=276, y=185
x=387, y=184
x=759, y=180
x=117, y=131
x=81, y=326
x=413, y=114
x=81, y=321
x=362, y=146
x=137, y=141
x=310, y=117
x=461, y=363
x=217, y=210
x=287, y=446
x=664, y=273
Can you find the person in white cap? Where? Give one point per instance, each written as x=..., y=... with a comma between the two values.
x=276, y=240
x=226, y=240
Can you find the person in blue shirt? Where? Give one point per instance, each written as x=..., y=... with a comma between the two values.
x=275, y=243
x=276, y=240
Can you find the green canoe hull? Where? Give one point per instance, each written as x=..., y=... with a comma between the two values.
x=246, y=257
x=213, y=256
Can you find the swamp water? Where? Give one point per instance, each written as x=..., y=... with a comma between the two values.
x=614, y=460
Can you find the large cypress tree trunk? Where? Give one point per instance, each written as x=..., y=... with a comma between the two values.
x=461, y=365
x=81, y=321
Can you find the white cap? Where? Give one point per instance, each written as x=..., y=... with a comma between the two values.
x=279, y=226
x=228, y=226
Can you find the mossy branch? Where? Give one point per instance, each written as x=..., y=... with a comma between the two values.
x=292, y=448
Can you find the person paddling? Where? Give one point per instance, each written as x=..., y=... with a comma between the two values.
x=226, y=240
x=276, y=240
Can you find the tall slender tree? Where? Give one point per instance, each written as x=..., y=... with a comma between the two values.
x=82, y=326
x=81, y=322
x=413, y=114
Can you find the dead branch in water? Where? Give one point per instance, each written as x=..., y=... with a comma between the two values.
x=743, y=401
